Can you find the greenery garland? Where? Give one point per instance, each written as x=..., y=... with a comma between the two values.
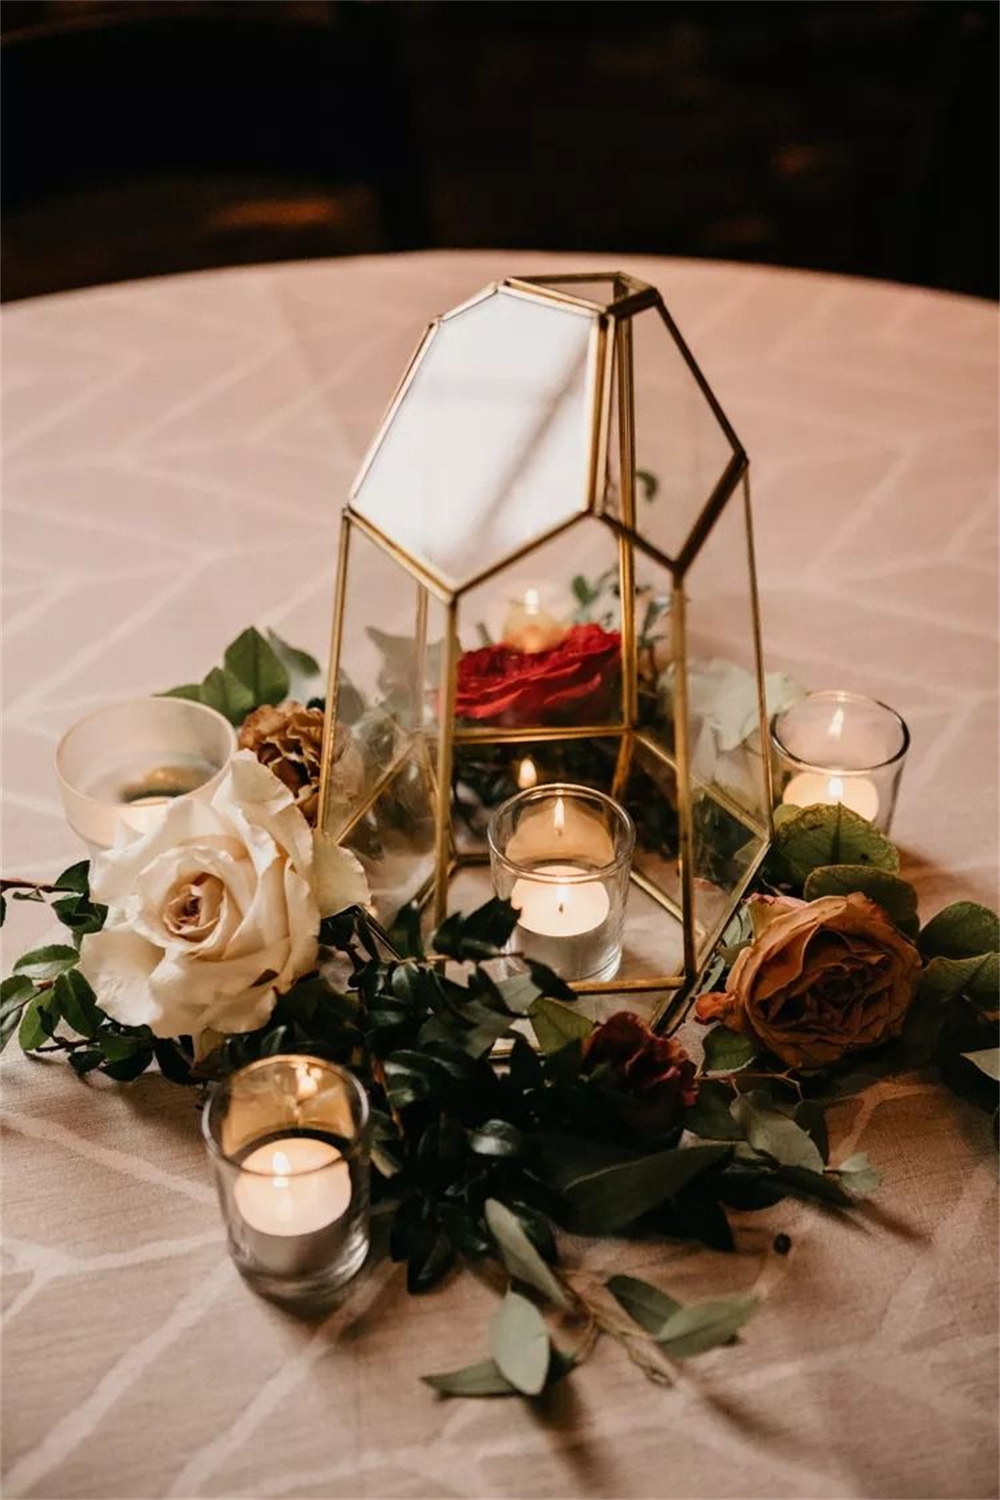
x=475, y=1160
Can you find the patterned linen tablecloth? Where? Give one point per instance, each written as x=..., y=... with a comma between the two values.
x=176, y=452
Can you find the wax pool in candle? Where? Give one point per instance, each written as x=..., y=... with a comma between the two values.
x=812, y=787
x=284, y=1191
x=560, y=909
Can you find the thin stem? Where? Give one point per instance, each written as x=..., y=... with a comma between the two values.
x=31, y=885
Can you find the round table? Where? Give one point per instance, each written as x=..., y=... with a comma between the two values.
x=175, y=453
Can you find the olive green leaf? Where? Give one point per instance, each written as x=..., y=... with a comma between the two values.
x=820, y=836
x=485, y=1378
x=605, y=1200
x=227, y=694
x=896, y=897
x=858, y=1175
x=555, y=1024
x=644, y=1303
x=709, y=1115
x=520, y=1256
x=519, y=1342
x=962, y=930
x=682, y=1331
x=727, y=1051
x=773, y=1133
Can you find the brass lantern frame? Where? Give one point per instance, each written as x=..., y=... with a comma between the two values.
x=610, y=379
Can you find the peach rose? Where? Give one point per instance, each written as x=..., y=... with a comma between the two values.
x=821, y=978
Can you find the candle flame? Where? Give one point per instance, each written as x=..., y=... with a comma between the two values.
x=835, y=789
x=527, y=774
x=562, y=896
x=837, y=724
x=280, y=1165
x=559, y=816
x=532, y=601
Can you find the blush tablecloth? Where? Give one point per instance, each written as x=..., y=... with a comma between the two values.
x=175, y=452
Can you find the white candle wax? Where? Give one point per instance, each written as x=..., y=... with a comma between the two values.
x=283, y=1190
x=560, y=909
x=827, y=788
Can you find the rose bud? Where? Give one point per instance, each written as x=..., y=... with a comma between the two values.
x=653, y=1075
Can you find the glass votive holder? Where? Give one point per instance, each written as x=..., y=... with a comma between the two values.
x=832, y=747
x=121, y=765
x=290, y=1142
x=562, y=855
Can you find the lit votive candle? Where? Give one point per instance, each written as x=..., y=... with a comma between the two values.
x=836, y=747
x=289, y=1140
x=530, y=628
x=809, y=788
x=561, y=855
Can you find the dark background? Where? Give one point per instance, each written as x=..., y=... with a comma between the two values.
x=144, y=138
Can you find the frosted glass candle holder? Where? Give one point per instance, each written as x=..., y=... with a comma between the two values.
x=562, y=855
x=122, y=766
x=832, y=747
x=289, y=1141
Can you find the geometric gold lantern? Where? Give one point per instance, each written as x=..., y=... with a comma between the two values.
x=546, y=572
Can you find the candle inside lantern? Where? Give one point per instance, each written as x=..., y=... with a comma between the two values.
x=527, y=774
x=530, y=628
x=284, y=1189
x=811, y=787
x=566, y=909
x=561, y=855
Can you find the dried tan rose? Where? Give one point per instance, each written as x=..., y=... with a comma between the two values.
x=289, y=741
x=821, y=978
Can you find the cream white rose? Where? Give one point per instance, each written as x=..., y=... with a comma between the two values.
x=216, y=911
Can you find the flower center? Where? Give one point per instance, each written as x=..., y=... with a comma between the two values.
x=193, y=909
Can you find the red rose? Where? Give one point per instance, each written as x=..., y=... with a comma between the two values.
x=654, y=1074
x=500, y=685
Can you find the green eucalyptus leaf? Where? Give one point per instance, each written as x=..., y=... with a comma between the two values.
x=481, y=1379
x=254, y=662
x=433, y=1261
x=727, y=1051
x=962, y=930
x=858, y=1175
x=519, y=993
x=709, y=1115
x=773, y=1133
x=821, y=836
x=896, y=897
x=519, y=1342
x=485, y=1379
x=987, y=1060
x=704, y=1325
x=188, y=690
x=555, y=1025
x=520, y=1256
x=481, y=934
x=605, y=1200
x=644, y=1303
x=47, y=962
x=549, y=982
x=945, y=979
